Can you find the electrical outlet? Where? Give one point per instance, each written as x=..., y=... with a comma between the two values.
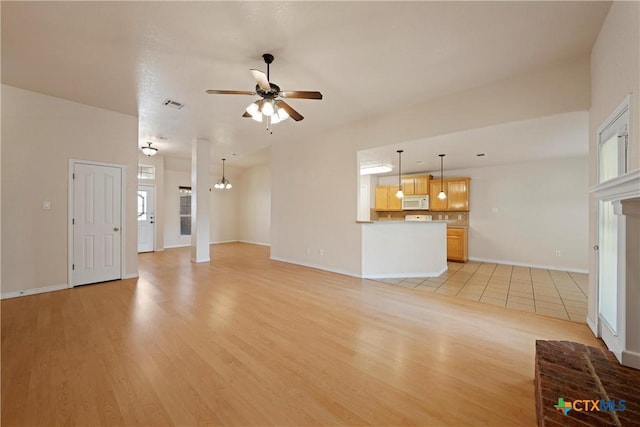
x=446, y=217
x=558, y=253
x=308, y=251
x=46, y=205
x=459, y=217
x=439, y=216
x=321, y=252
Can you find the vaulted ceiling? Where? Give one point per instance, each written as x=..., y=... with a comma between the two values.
x=366, y=58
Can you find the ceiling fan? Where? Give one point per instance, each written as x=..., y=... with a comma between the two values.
x=271, y=107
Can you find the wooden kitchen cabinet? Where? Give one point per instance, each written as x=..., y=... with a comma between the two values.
x=457, y=244
x=436, y=204
x=458, y=195
x=417, y=185
x=408, y=186
x=457, y=190
x=386, y=199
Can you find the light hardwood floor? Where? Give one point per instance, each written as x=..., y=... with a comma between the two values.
x=253, y=342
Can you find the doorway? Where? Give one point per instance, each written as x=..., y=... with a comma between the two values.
x=612, y=162
x=146, y=218
x=96, y=223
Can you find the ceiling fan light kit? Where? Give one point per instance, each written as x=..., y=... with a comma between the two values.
x=270, y=109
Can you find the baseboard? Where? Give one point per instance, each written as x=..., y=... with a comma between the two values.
x=177, y=246
x=219, y=242
x=130, y=276
x=255, y=243
x=317, y=267
x=223, y=241
x=526, y=264
x=631, y=358
x=593, y=327
x=403, y=275
x=33, y=291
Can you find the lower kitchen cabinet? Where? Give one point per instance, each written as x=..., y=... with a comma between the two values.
x=457, y=244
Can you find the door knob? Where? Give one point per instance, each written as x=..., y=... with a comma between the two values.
x=151, y=222
x=595, y=247
x=116, y=229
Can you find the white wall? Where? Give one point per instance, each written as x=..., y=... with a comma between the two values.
x=39, y=135
x=254, y=205
x=224, y=226
x=158, y=162
x=615, y=73
x=541, y=207
x=320, y=172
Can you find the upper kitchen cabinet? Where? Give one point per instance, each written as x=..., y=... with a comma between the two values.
x=416, y=185
x=457, y=191
x=386, y=199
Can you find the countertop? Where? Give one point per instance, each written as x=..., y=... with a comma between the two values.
x=393, y=221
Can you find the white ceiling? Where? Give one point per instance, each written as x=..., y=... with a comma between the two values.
x=560, y=136
x=365, y=57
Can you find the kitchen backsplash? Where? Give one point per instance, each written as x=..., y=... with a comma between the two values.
x=452, y=218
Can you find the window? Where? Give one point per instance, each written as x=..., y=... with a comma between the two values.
x=185, y=211
x=613, y=139
x=146, y=172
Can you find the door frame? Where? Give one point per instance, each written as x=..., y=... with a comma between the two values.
x=70, y=210
x=155, y=214
x=613, y=190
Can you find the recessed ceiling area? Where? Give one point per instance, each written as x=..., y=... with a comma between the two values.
x=559, y=136
x=367, y=59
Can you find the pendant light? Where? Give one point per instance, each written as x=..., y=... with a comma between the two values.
x=149, y=150
x=441, y=195
x=224, y=183
x=399, y=194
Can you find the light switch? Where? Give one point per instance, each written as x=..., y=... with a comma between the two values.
x=494, y=210
x=46, y=205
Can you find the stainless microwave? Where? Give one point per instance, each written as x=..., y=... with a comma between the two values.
x=415, y=203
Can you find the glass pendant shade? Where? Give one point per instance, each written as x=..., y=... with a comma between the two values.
x=267, y=108
x=282, y=114
x=149, y=150
x=442, y=195
x=253, y=108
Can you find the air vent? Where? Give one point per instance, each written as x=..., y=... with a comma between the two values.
x=173, y=104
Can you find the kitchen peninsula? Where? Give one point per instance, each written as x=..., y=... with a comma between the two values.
x=404, y=249
x=403, y=239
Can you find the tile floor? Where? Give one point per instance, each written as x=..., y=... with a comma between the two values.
x=552, y=293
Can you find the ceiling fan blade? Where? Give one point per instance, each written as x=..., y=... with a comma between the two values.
x=301, y=94
x=262, y=80
x=229, y=92
x=289, y=109
x=246, y=114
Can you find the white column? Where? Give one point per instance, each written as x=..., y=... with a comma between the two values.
x=200, y=188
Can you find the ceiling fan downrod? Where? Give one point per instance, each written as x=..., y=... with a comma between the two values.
x=268, y=58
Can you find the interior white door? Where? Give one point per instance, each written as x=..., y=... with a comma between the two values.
x=146, y=218
x=97, y=223
x=612, y=163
